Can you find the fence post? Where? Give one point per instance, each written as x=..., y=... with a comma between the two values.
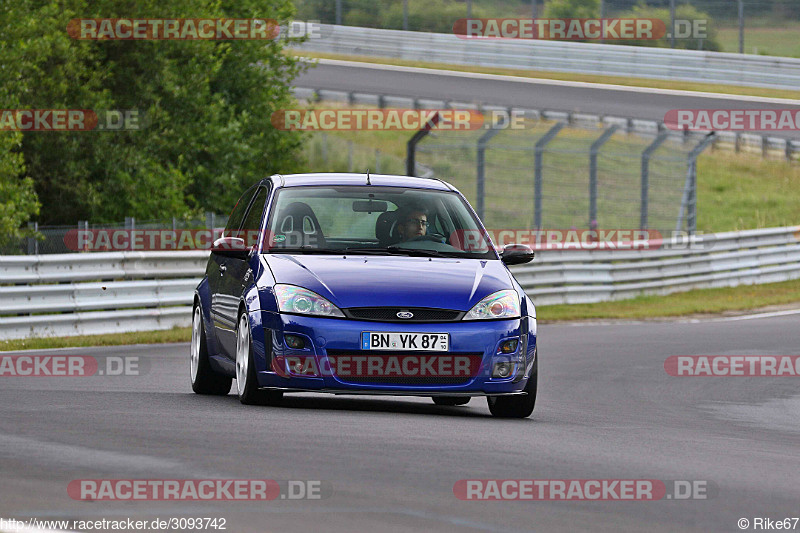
x=33, y=244
x=210, y=223
x=349, y=156
x=593, y=172
x=377, y=161
x=646, y=177
x=689, y=200
x=537, y=172
x=481, y=171
x=83, y=226
x=411, y=146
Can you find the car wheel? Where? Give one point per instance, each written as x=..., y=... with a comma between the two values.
x=517, y=406
x=451, y=400
x=204, y=379
x=246, y=381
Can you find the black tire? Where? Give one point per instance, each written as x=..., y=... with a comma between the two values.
x=203, y=379
x=517, y=406
x=246, y=380
x=451, y=400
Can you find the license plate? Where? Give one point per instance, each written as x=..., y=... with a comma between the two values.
x=425, y=342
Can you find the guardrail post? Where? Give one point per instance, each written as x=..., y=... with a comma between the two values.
x=593, y=171
x=764, y=146
x=789, y=150
x=646, y=176
x=411, y=146
x=689, y=200
x=481, y=185
x=537, y=172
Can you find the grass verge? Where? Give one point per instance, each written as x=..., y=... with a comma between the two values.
x=690, y=303
x=113, y=339
x=568, y=76
x=736, y=191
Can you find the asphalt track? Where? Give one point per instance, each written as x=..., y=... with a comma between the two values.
x=606, y=410
x=633, y=102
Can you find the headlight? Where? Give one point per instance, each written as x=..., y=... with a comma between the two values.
x=501, y=304
x=293, y=299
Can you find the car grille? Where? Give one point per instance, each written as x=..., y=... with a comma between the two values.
x=431, y=381
x=389, y=314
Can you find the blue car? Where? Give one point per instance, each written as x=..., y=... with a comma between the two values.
x=363, y=284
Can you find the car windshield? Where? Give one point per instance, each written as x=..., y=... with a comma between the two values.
x=375, y=220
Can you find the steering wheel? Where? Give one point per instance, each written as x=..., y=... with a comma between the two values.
x=432, y=237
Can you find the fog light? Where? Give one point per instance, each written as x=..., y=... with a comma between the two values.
x=503, y=370
x=509, y=346
x=295, y=342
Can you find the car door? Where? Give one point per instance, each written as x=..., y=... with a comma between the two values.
x=217, y=269
x=237, y=274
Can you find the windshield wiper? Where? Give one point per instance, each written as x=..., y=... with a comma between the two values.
x=335, y=251
x=372, y=251
x=423, y=252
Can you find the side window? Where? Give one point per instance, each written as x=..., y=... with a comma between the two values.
x=237, y=215
x=252, y=223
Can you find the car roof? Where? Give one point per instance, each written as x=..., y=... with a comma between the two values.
x=349, y=178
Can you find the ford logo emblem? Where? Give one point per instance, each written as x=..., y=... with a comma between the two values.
x=405, y=314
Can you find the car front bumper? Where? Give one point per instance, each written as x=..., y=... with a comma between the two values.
x=329, y=338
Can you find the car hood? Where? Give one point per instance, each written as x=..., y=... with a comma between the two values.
x=376, y=281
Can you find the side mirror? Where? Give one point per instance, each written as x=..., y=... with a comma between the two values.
x=516, y=254
x=230, y=247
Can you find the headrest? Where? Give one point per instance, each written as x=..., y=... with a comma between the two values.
x=386, y=228
x=297, y=222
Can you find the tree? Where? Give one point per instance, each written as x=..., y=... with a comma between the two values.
x=577, y=9
x=206, y=107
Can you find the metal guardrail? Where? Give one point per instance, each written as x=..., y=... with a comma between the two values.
x=713, y=260
x=65, y=294
x=586, y=58
x=97, y=293
x=765, y=145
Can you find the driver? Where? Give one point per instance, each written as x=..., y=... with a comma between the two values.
x=413, y=223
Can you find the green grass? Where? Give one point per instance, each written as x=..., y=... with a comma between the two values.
x=735, y=190
x=744, y=191
x=772, y=41
x=569, y=76
x=115, y=339
x=696, y=302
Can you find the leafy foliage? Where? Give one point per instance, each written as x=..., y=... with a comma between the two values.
x=205, y=108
